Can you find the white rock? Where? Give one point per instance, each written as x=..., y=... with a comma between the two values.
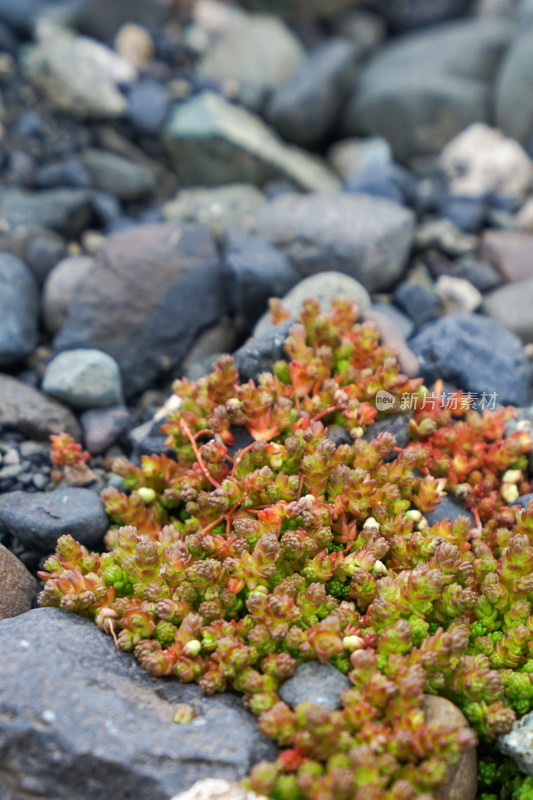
x=457, y=294
x=518, y=744
x=217, y=789
x=481, y=160
x=116, y=67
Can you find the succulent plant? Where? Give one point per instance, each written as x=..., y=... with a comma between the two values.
x=230, y=569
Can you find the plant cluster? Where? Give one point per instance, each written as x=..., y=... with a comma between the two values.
x=230, y=566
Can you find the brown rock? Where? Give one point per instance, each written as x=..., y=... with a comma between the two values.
x=61, y=288
x=17, y=585
x=462, y=783
x=511, y=252
x=392, y=336
x=25, y=409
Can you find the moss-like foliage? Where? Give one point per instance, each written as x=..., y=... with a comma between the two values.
x=229, y=567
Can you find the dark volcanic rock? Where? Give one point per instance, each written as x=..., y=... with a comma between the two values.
x=261, y=353
x=477, y=354
x=103, y=19
x=92, y=725
x=448, y=508
x=25, y=409
x=17, y=585
x=153, y=289
x=38, y=520
x=256, y=271
x=19, y=310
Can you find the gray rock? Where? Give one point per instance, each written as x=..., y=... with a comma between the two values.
x=118, y=175
x=220, y=209
x=148, y=104
x=418, y=117
x=324, y=287
x=257, y=53
x=84, y=379
x=91, y=725
x=511, y=306
x=67, y=211
x=391, y=335
x=38, y=520
x=477, y=354
x=28, y=411
x=518, y=743
x=70, y=79
x=365, y=237
x=103, y=426
x=19, y=309
x=513, y=112
x=210, y=345
x=448, y=508
x=212, y=142
x=305, y=109
x=256, y=271
x=19, y=587
x=405, y=14
x=316, y=683
x=260, y=353
x=153, y=289
x=61, y=288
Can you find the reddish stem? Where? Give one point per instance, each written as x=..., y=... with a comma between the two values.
x=188, y=433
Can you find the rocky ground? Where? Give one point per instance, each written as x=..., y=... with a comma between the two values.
x=165, y=169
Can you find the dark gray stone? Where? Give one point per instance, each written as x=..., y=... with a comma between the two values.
x=397, y=424
x=256, y=271
x=368, y=238
x=21, y=14
x=316, y=683
x=448, y=508
x=19, y=310
x=261, y=353
x=67, y=211
x=477, y=354
x=28, y=411
x=339, y=435
x=38, y=520
x=305, y=109
x=91, y=725
x=406, y=14
x=153, y=289
x=418, y=117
